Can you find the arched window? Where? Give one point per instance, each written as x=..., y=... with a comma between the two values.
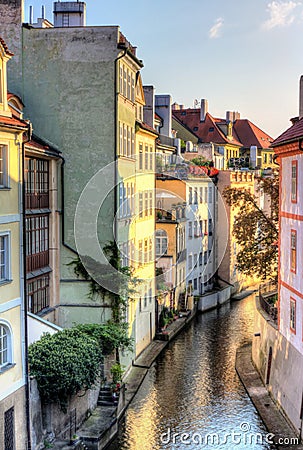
x=5, y=345
x=161, y=242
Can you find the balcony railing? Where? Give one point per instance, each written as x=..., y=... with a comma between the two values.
x=37, y=201
x=268, y=294
x=37, y=261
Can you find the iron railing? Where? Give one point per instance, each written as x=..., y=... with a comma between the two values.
x=268, y=294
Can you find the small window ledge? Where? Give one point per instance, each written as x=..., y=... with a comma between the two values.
x=7, y=367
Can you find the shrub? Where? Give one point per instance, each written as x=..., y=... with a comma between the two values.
x=63, y=364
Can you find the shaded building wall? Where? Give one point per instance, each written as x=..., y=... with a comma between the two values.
x=286, y=365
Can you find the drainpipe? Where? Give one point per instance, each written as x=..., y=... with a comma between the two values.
x=62, y=209
x=26, y=371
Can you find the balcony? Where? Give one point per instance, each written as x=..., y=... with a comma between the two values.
x=268, y=296
x=37, y=200
x=37, y=261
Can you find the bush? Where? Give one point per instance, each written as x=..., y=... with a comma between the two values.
x=64, y=363
x=110, y=336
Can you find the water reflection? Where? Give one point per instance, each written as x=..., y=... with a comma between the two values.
x=193, y=388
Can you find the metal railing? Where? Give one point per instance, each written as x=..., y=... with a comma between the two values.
x=268, y=294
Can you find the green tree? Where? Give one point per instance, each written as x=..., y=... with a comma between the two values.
x=256, y=229
x=64, y=364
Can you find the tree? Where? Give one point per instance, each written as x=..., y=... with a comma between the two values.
x=255, y=229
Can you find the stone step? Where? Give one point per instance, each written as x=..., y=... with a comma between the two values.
x=106, y=403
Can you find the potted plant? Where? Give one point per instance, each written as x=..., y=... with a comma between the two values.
x=74, y=439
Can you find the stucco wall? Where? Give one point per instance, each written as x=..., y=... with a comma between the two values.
x=16, y=400
x=287, y=366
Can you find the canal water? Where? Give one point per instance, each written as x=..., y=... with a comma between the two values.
x=192, y=397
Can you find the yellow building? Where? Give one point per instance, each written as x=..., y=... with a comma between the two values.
x=12, y=335
x=136, y=221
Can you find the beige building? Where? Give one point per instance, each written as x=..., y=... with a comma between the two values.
x=13, y=413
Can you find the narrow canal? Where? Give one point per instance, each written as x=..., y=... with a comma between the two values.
x=193, y=388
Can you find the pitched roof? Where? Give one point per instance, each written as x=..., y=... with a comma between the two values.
x=208, y=130
x=12, y=122
x=249, y=134
x=183, y=132
x=5, y=48
x=213, y=129
x=291, y=134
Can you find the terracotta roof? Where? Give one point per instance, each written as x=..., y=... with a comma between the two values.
x=36, y=143
x=249, y=134
x=13, y=122
x=291, y=134
x=11, y=95
x=147, y=127
x=2, y=42
x=208, y=130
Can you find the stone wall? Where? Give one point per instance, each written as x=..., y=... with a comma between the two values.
x=283, y=377
x=51, y=421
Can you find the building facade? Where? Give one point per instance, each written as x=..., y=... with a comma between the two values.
x=13, y=412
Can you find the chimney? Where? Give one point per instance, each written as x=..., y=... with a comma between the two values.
x=43, y=12
x=149, y=107
x=204, y=109
x=163, y=108
x=229, y=116
x=301, y=98
x=31, y=15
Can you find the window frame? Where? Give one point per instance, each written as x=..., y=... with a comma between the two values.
x=293, y=251
x=294, y=182
x=6, y=235
x=161, y=243
x=292, y=315
x=9, y=345
x=5, y=171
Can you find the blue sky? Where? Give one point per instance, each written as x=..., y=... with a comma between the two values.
x=241, y=55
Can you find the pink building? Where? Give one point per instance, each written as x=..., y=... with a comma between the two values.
x=289, y=151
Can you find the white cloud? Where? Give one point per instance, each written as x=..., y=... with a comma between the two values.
x=280, y=14
x=215, y=30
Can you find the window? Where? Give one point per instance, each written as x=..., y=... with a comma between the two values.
x=196, y=196
x=200, y=259
x=210, y=195
x=293, y=315
x=37, y=247
x=265, y=158
x=140, y=204
x=195, y=284
x=205, y=194
x=36, y=183
x=146, y=158
x=140, y=156
x=4, y=258
x=151, y=203
x=161, y=242
x=38, y=294
x=190, y=262
x=5, y=346
x=190, y=229
x=270, y=158
x=293, y=247
x=146, y=203
x=145, y=256
x=65, y=20
x=9, y=429
x=294, y=180
x=3, y=166
x=201, y=195
x=190, y=195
